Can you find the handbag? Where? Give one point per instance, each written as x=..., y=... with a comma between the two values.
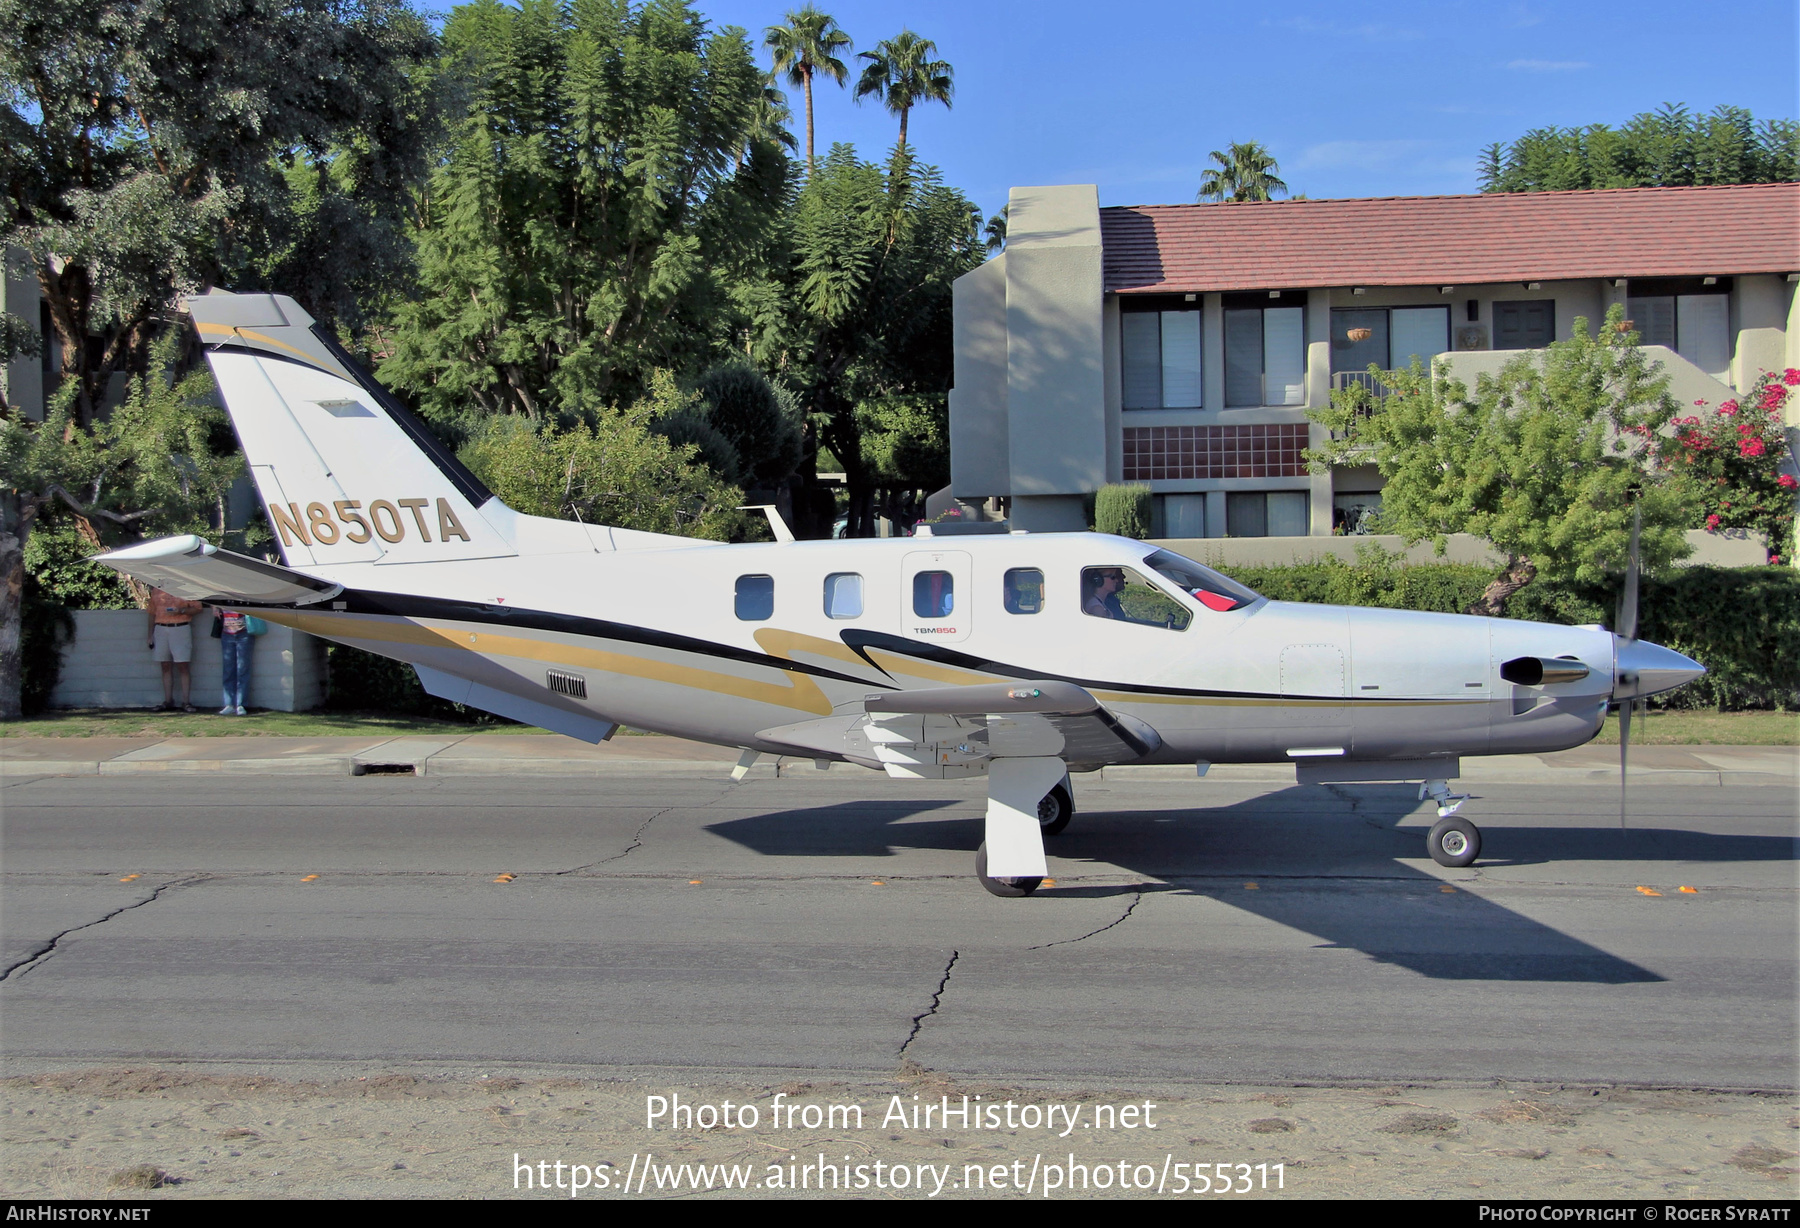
x=255, y=625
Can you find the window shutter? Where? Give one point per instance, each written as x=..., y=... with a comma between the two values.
x=1181, y=359
x=1141, y=358
x=1243, y=357
x=1703, y=328
x=1284, y=356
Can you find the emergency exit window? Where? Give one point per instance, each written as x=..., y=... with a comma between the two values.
x=934, y=594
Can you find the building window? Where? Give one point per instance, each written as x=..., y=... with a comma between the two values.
x=755, y=598
x=1695, y=326
x=1265, y=354
x=1024, y=591
x=1160, y=359
x=843, y=595
x=934, y=594
x=1178, y=516
x=1264, y=450
x=1529, y=324
x=1272, y=513
x=1355, y=514
x=1388, y=337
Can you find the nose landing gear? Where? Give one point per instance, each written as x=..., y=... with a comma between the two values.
x=1454, y=842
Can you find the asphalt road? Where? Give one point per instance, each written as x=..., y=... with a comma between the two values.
x=357, y=920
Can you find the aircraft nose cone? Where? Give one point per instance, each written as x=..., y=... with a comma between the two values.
x=1641, y=668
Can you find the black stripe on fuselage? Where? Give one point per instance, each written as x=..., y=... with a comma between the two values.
x=403, y=605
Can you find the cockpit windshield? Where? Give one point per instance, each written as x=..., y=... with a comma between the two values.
x=1209, y=588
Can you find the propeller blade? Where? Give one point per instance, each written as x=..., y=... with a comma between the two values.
x=1624, y=754
x=1626, y=623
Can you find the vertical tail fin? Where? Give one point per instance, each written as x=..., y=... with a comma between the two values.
x=346, y=474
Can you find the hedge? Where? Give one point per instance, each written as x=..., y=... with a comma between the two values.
x=364, y=682
x=1742, y=623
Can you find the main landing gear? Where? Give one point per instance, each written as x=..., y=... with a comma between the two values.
x=1028, y=799
x=1453, y=842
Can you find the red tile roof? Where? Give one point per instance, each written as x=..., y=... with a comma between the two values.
x=1453, y=240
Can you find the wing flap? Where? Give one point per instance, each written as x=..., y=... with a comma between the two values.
x=193, y=568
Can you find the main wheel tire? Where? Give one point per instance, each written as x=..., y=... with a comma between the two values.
x=1056, y=809
x=1011, y=888
x=1454, y=842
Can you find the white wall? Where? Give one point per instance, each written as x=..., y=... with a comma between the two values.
x=108, y=665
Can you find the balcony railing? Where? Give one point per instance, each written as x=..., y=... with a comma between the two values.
x=1341, y=380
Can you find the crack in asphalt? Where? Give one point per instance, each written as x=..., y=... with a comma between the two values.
x=637, y=837
x=937, y=997
x=43, y=954
x=1137, y=897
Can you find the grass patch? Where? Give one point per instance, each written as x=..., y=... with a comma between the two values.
x=1700, y=727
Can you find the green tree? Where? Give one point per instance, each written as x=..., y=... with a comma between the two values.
x=1668, y=147
x=162, y=462
x=613, y=170
x=1244, y=172
x=615, y=471
x=1548, y=459
x=153, y=149
x=902, y=74
x=994, y=233
x=806, y=47
x=875, y=251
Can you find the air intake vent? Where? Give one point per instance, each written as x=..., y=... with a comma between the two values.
x=572, y=685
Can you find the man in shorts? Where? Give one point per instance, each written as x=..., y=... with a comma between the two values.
x=172, y=641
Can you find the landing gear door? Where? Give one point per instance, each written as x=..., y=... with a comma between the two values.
x=937, y=599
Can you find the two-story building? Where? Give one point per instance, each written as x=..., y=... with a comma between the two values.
x=1181, y=345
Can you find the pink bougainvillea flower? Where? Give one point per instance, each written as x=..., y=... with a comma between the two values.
x=1712, y=522
x=1751, y=447
x=1786, y=481
x=1791, y=377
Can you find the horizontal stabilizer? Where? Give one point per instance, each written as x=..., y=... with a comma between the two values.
x=193, y=568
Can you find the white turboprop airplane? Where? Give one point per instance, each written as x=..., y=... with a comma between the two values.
x=963, y=651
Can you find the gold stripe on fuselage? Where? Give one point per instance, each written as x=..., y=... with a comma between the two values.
x=800, y=691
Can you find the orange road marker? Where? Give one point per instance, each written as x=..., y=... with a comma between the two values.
x=129, y=877
x=1649, y=891
x=693, y=882
x=1251, y=887
x=1048, y=882
x=506, y=878
x=876, y=882
x=310, y=878
x=1690, y=891
x=1447, y=889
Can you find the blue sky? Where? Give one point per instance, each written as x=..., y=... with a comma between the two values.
x=1369, y=99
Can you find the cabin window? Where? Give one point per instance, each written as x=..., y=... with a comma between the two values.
x=1024, y=591
x=755, y=598
x=843, y=595
x=934, y=594
x=1122, y=595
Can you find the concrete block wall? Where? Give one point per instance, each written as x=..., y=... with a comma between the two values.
x=108, y=665
x=1731, y=548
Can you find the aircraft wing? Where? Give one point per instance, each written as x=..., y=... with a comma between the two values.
x=946, y=732
x=193, y=568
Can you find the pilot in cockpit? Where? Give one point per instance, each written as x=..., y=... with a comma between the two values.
x=1100, y=588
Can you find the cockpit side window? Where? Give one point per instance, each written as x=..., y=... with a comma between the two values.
x=1209, y=588
x=1122, y=595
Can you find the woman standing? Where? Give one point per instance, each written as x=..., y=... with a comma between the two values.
x=235, y=641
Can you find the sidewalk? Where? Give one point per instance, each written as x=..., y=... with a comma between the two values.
x=477, y=754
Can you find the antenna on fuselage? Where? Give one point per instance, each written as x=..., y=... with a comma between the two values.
x=777, y=525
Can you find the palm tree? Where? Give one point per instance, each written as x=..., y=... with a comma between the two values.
x=804, y=46
x=903, y=75
x=1245, y=172
x=996, y=229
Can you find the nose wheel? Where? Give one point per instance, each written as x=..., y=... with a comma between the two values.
x=1454, y=842
x=1009, y=888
